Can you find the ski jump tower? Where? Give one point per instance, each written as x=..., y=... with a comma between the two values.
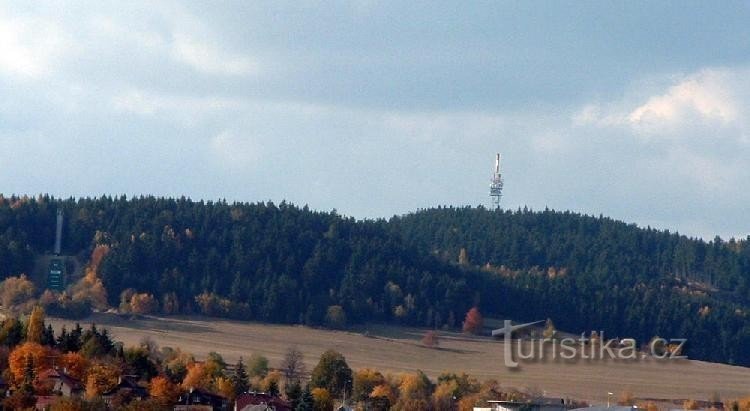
x=56, y=272
x=496, y=186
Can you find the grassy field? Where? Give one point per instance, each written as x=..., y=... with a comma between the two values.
x=398, y=349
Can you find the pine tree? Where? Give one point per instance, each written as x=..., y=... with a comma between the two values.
x=240, y=379
x=307, y=402
x=294, y=394
x=273, y=389
x=48, y=336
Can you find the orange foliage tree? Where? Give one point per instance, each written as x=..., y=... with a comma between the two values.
x=197, y=376
x=473, y=322
x=163, y=391
x=322, y=399
x=18, y=360
x=74, y=364
x=430, y=339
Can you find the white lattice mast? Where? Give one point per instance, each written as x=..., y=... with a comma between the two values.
x=496, y=186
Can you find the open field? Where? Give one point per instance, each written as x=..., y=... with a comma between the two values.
x=397, y=349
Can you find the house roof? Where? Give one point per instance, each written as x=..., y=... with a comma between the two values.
x=64, y=378
x=260, y=398
x=127, y=383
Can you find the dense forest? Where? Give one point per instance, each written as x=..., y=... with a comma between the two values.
x=283, y=263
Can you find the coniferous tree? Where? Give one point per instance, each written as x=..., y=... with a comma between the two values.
x=307, y=402
x=240, y=379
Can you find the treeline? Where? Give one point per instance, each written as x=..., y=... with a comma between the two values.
x=595, y=273
x=282, y=263
x=261, y=261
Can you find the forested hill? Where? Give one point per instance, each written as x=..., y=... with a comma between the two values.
x=282, y=263
x=597, y=273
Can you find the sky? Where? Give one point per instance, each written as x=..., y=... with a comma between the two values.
x=635, y=110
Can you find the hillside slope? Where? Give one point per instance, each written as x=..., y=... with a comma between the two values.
x=285, y=264
x=397, y=349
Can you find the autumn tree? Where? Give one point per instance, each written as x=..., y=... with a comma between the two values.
x=272, y=382
x=38, y=354
x=335, y=317
x=430, y=339
x=16, y=291
x=332, y=373
x=143, y=303
x=415, y=386
x=170, y=303
x=196, y=377
x=163, y=390
x=473, y=322
x=11, y=332
x=322, y=400
x=365, y=380
x=549, y=329
x=293, y=365
x=444, y=396
x=75, y=364
x=215, y=364
x=384, y=395
x=463, y=258
x=100, y=378
x=90, y=289
x=257, y=365
x=35, y=325
x=225, y=387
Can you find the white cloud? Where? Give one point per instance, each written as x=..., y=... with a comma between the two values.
x=29, y=47
x=710, y=97
x=146, y=103
x=706, y=95
x=208, y=58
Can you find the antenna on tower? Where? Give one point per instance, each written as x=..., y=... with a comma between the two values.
x=496, y=186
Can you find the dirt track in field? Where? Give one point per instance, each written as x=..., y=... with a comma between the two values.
x=398, y=349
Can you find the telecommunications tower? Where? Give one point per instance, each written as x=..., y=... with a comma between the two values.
x=496, y=186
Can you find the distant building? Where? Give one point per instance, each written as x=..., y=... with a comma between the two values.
x=605, y=408
x=56, y=275
x=198, y=399
x=260, y=401
x=60, y=383
x=127, y=388
x=536, y=404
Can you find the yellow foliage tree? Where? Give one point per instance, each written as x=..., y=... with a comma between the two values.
x=15, y=291
x=384, y=391
x=225, y=387
x=100, y=378
x=365, y=381
x=322, y=400
x=414, y=386
x=273, y=377
x=197, y=377
x=143, y=304
x=442, y=398
x=35, y=325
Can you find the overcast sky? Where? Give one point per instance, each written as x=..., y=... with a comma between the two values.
x=638, y=111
